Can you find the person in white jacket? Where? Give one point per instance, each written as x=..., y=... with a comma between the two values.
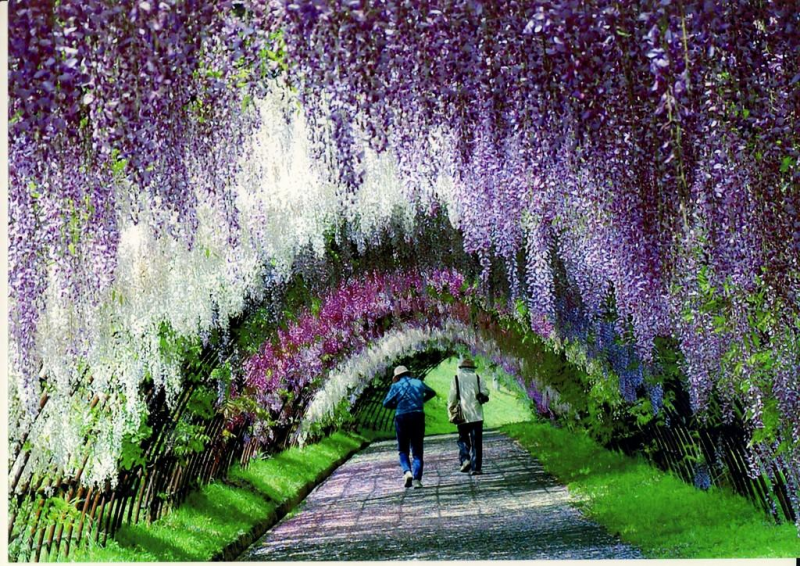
x=468, y=390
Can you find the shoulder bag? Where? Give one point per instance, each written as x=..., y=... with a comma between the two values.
x=480, y=396
x=456, y=414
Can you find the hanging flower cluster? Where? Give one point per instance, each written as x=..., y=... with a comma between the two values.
x=108, y=340
x=347, y=321
x=650, y=150
x=170, y=159
x=345, y=383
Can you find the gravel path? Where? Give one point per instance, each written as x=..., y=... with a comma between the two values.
x=515, y=510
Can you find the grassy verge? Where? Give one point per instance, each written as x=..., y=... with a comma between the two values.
x=504, y=406
x=222, y=513
x=652, y=509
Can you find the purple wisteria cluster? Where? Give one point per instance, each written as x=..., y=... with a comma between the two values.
x=645, y=155
x=636, y=143
x=107, y=101
x=293, y=365
x=348, y=320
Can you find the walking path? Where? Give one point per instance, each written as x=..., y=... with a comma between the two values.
x=515, y=510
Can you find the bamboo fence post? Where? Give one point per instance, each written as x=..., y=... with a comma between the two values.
x=151, y=500
x=198, y=458
x=213, y=442
x=136, y=493
x=95, y=500
x=677, y=453
x=52, y=529
x=42, y=485
x=781, y=491
x=42, y=402
x=187, y=479
x=168, y=488
x=663, y=447
x=119, y=511
x=83, y=515
x=109, y=508
x=68, y=500
x=11, y=519
x=34, y=528
x=97, y=522
x=147, y=480
x=74, y=482
x=69, y=528
x=742, y=471
x=687, y=440
x=126, y=500
x=20, y=469
x=676, y=450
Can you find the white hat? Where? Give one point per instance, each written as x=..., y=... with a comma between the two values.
x=400, y=370
x=466, y=362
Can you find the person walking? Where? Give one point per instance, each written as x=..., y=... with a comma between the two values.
x=407, y=396
x=468, y=391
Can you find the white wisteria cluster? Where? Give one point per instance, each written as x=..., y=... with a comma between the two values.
x=349, y=379
x=105, y=348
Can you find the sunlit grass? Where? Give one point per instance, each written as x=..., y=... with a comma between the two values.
x=505, y=406
x=220, y=513
x=651, y=509
x=648, y=508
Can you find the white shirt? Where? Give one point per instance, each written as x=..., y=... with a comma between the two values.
x=468, y=388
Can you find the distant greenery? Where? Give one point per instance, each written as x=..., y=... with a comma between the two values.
x=505, y=406
x=651, y=509
x=220, y=513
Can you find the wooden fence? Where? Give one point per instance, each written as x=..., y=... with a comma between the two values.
x=52, y=515
x=57, y=514
x=685, y=444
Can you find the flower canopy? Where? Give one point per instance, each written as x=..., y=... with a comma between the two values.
x=630, y=167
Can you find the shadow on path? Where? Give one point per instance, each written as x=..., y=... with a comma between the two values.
x=515, y=510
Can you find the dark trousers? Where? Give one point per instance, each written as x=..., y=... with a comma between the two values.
x=410, y=429
x=470, y=444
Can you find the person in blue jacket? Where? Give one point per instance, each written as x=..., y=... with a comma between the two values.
x=407, y=396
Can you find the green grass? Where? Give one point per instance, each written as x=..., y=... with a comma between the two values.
x=504, y=406
x=648, y=508
x=220, y=513
x=651, y=509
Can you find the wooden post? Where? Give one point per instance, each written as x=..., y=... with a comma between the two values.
x=41, y=486
x=91, y=512
x=147, y=481
x=98, y=522
x=109, y=513
x=51, y=532
x=69, y=528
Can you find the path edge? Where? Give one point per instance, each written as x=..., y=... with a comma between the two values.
x=233, y=550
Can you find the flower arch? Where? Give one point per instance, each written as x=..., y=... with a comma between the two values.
x=632, y=169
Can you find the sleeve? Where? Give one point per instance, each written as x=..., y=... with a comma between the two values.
x=428, y=393
x=451, y=398
x=482, y=387
x=390, y=401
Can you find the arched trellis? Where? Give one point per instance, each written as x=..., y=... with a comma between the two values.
x=649, y=184
x=391, y=314
x=368, y=411
x=52, y=514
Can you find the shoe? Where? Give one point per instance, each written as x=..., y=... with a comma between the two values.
x=466, y=466
x=407, y=479
x=417, y=484
x=476, y=473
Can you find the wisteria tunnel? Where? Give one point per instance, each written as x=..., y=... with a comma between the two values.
x=230, y=221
